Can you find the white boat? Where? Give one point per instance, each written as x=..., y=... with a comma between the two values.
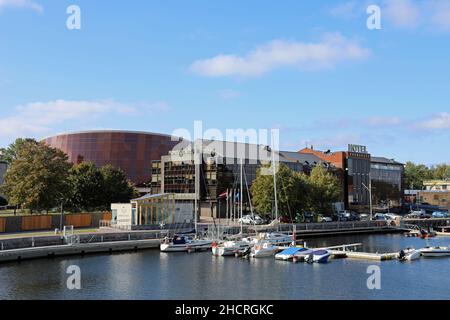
x=319, y=256
x=289, y=253
x=435, y=251
x=408, y=254
x=301, y=255
x=262, y=250
x=185, y=244
x=274, y=238
x=230, y=248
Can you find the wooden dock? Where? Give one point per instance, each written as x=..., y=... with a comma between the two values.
x=363, y=255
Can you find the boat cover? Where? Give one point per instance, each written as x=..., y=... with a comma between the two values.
x=292, y=250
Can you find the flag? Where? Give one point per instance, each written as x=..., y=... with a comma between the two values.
x=223, y=195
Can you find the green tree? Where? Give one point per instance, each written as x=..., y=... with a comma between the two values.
x=86, y=187
x=116, y=187
x=291, y=192
x=10, y=154
x=324, y=189
x=93, y=188
x=440, y=172
x=37, y=176
x=415, y=175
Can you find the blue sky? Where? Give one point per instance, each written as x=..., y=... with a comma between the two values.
x=312, y=69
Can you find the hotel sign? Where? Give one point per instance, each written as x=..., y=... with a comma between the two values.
x=357, y=148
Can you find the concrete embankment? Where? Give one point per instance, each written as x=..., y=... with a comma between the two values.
x=350, y=231
x=57, y=245
x=76, y=249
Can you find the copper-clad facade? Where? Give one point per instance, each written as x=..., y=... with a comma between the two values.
x=133, y=152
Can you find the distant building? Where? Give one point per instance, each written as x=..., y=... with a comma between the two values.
x=130, y=151
x=437, y=185
x=436, y=193
x=219, y=172
x=359, y=170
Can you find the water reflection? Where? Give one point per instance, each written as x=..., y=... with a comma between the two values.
x=155, y=275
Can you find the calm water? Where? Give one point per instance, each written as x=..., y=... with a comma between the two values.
x=155, y=275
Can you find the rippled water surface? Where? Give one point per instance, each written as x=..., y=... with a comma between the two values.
x=154, y=275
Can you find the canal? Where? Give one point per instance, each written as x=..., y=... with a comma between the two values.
x=154, y=275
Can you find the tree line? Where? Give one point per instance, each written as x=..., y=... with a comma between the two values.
x=40, y=178
x=297, y=192
x=416, y=174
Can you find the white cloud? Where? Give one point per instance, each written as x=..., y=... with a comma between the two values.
x=441, y=14
x=229, y=94
x=21, y=4
x=346, y=10
x=39, y=118
x=334, y=48
x=337, y=141
x=402, y=13
x=383, y=121
x=440, y=121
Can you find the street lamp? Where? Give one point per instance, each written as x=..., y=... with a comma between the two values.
x=61, y=217
x=370, y=196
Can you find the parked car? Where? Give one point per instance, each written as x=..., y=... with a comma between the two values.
x=440, y=214
x=391, y=216
x=249, y=219
x=413, y=215
x=424, y=215
x=364, y=217
x=354, y=216
x=341, y=216
x=308, y=217
x=324, y=219
x=285, y=219
x=379, y=217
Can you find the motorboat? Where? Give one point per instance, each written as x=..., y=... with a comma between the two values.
x=425, y=234
x=435, y=251
x=264, y=249
x=274, y=238
x=408, y=254
x=230, y=248
x=289, y=253
x=302, y=254
x=319, y=256
x=183, y=243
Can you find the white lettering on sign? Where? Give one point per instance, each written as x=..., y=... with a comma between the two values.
x=357, y=149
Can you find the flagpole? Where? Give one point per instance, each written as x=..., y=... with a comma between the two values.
x=226, y=213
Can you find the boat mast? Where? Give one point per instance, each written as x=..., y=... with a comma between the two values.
x=241, y=193
x=274, y=180
x=197, y=182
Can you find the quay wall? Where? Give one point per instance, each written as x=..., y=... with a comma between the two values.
x=44, y=241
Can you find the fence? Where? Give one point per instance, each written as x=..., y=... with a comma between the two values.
x=13, y=224
x=79, y=220
x=36, y=223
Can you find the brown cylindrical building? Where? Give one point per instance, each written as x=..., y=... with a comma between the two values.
x=133, y=152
